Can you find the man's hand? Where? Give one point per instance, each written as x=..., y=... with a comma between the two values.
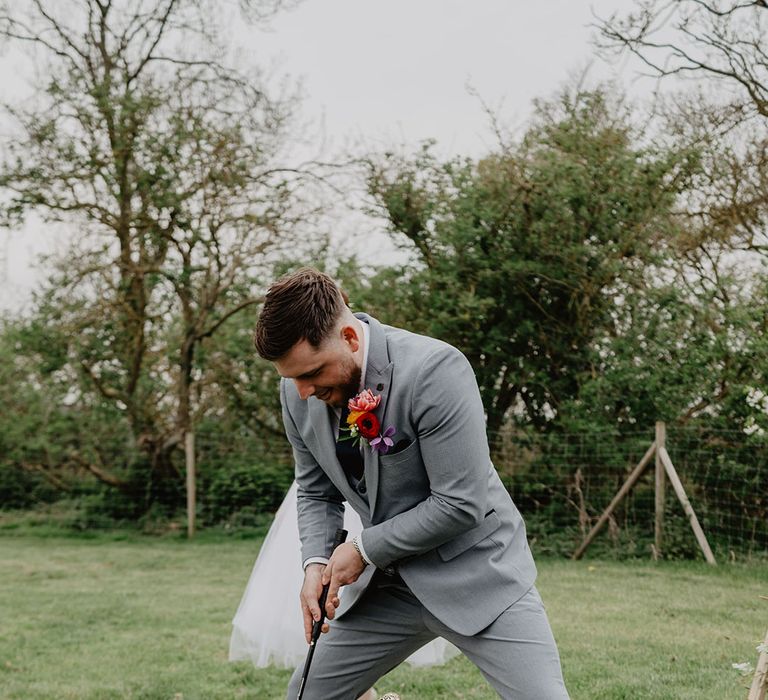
x=310, y=596
x=344, y=567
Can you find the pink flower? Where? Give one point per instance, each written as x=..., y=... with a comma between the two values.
x=364, y=402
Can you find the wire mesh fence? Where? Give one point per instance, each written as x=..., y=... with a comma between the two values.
x=561, y=482
x=727, y=477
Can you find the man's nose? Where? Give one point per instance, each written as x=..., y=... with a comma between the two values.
x=305, y=388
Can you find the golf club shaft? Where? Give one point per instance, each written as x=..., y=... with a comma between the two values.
x=317, y=627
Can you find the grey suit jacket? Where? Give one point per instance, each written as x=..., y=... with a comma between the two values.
x=436, y=509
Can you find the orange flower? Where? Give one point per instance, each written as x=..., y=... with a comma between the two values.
x=353, y=416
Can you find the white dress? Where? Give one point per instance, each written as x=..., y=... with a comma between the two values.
x=268, y=628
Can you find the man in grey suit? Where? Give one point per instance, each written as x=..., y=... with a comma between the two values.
x=443, y=551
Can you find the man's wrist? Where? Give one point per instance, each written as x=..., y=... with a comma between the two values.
x=322, y=561
x=357, y=543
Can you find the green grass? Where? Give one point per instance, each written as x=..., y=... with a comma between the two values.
x=149, y=618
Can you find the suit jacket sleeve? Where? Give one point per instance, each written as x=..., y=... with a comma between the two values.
x=319, y=504
x=449, y=420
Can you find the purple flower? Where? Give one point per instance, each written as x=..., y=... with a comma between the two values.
x=384, y=441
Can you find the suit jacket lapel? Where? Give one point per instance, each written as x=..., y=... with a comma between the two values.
x=378, y=376
x=324, y=425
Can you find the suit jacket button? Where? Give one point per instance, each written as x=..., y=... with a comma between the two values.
x=361, y=488
x=379, y=387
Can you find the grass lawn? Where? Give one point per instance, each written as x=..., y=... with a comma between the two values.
x=149, y=619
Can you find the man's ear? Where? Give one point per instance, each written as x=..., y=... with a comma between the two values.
x=350, y=336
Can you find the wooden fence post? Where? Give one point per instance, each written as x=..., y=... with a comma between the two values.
x=189, y=452
x=759, y=686
x=677, y=485
x=660, y=481
x=664, y=469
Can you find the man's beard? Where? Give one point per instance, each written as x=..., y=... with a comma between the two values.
x=351, y=387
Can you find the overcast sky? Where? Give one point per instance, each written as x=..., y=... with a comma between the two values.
x=399, y=70
x=395, y=72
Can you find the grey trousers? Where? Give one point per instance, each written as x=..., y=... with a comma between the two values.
x=516, y=653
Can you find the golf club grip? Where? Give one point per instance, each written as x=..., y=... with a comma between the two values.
x=341, y=536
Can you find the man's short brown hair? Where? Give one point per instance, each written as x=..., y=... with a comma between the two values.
x=305, y=304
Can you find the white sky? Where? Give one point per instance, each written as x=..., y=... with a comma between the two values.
x=399, y=70
x=389, y=73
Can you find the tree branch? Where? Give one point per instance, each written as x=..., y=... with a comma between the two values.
x=208, y=333
x=100, y=474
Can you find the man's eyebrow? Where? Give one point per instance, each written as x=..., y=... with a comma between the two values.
x=308, y=374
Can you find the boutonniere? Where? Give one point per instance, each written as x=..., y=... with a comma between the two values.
x=363, y=424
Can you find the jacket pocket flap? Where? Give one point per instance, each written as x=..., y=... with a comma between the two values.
x=463, y=542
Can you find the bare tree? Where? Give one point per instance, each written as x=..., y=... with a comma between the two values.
x=721, y=41
x=166, y=161
x=722, y=46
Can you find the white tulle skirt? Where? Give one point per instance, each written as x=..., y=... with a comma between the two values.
x=268, y=627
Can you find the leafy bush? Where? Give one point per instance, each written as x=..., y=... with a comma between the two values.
x=248, y=490
x=20, y=488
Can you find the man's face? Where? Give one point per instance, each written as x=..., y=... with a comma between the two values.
x=331, y=372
